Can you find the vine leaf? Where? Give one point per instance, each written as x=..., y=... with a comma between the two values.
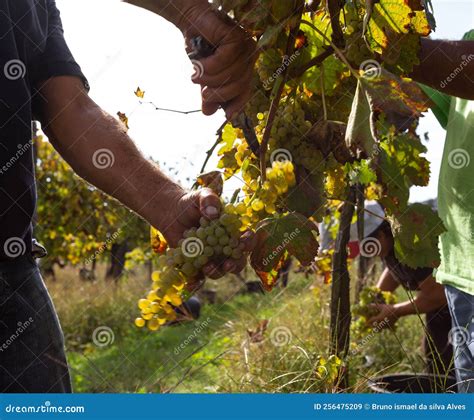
x=270, y=36
x=416, y=232
x=158, y=241
x=139, y=93
x=124, y=119
x=392, y=29
x=279, y=237
x=399, y=165
x=212, y=180
x=400, y=100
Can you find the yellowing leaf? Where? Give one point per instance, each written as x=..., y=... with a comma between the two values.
x=123, y=118
x=158, y=241
x=139, y=93
x=212, y=180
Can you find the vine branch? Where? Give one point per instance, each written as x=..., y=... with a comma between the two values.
x=290, y=47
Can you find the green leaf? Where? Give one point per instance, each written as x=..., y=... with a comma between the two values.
x=362, y=173
x=416, y=232
x=270, y=36
x=228, y=137
x=292, y=234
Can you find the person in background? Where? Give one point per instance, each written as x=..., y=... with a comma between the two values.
x=39, y=77
x=429, y=297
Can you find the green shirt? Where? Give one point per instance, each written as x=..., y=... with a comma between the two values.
x=456, y=187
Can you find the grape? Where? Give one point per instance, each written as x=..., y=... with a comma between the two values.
x=140, y=322
x=208, y=251
x=217, y=239
x=227, y=251
x=363, y=312
x=220, y=232
x=212, y=240
x=224, y=240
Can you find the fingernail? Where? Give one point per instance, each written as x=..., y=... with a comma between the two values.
x=211, y=211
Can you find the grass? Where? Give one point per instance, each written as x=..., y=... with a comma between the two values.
x=223, y=351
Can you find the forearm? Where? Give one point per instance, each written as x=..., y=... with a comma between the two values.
x=447, y=66
x=99, y=150
x=421, y=304
x=386, y=282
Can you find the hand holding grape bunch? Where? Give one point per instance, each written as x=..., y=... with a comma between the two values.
x=204, y=241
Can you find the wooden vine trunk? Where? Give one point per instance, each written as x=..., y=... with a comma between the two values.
x=340, y=292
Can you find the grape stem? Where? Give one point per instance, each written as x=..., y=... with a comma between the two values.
x=316, y=61
x=211, y=150
x=290, y=47
x=176, y=111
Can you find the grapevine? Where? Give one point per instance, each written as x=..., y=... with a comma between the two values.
x=334, y=113
x=363, y=310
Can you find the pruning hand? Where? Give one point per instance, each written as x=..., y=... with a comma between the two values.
x=225, y=76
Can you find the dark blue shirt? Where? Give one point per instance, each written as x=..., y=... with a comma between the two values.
x=32, y=50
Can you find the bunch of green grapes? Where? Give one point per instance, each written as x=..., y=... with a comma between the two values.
x=363, y=311
x=213, y=241
x=261, y=201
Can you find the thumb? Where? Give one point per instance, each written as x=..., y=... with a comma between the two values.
x=209, y=204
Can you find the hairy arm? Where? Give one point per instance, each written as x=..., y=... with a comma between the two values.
x=100, y=151
x=447, y=66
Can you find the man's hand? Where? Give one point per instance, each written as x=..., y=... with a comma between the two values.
x=225, y=77
x=185, y=214
x=99, y=150
x=387, y=316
